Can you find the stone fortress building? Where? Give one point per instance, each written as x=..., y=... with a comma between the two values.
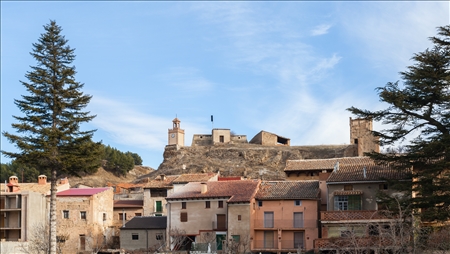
x=266, y=152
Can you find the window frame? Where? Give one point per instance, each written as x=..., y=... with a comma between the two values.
x=83, y=215
x=183, y=205
x=297, y=202
x=66, y=214
x=220, y=204
x=183, y=217
x=135, y=236
x=207, y=204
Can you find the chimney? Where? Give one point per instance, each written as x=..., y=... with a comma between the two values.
x=13, y=185
x=13, y=180
x=42, y=179
x=204, y=188
x=162, y=177
x=64, y=181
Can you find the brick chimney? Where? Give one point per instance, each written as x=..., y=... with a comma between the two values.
x=13, y=185
x=204, y=188
x=42, y=179
x=64, y=181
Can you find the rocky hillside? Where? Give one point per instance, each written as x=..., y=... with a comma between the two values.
x=102, y=176
x=244, y=159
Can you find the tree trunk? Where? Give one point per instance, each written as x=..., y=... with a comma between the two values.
x=52, y=234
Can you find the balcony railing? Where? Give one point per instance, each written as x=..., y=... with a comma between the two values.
x=352, y=215
x=285, y=224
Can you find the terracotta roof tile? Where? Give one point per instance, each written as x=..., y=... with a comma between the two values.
x=187, y=178
x=324, y=164
x=158, y=183
x=35, y=187
x=348, y=193
x=235, y=191
x=288, y=190
x=367, y=171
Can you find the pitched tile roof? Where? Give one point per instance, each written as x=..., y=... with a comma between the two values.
x=235, y=191
x=288, y=190
x=128, y=203
x=146, y=222
x=324, y=164
x=364, y=170
x=82, y=192
x=187, y=178
x=35, y=187
x=158, y=183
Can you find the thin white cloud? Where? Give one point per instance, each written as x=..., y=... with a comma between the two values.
x=186, y=79
x=320, y=30
x=130, y=126
x=389, y=33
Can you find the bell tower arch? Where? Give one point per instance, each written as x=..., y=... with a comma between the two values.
x=176, y=134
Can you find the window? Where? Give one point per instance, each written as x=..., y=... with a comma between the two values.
x=220, y=204
x=348, y=187
x=298, y=220
x=104, y=216
x=268, y=219
x=259, y=203
x=236, y=238
x=134, y=236
x=183, y=217
x=221, y=139
x=158, y=192
x=344, y=203
x=239, y=217
x=122, y=216
x=83, y=215
x=298, y=202
x=383, y=186
x=207, y=204
x=298, y=240
x=137, y=214
x=159, y=236
x=183, y=205
x=268, y=239
x=65, y=214
x=158, y=207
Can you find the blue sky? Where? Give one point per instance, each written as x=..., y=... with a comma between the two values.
x=291, y=68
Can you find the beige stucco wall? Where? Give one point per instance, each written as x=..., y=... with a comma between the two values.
x=283, y=212
x=150, y=203
x=216, y=133
x=93, y=227
x=199, y=217
x=147, y=238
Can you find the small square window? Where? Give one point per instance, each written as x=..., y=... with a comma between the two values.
x=260, y=203
x=134, y=236
x=220, y=204
x=122, y=216
x=83, y=215
x=207, y=204
x=298, y=202
x=239, y=217
x=159, y=236
x=183, y=205
x=65, y=214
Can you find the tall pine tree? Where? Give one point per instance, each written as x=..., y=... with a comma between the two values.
x=420, y=108
x=49, y=135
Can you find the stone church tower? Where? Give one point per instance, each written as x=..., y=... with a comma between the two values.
x=176, y=135
x=361, y=135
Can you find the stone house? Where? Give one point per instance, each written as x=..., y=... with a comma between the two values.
x=155, y=193
x=212, y=214
x=352, y=207
x=285, y=216
x=125, y=210
x=144, y=233
x=84, y=219
x=23, y=207
x=269, y=139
